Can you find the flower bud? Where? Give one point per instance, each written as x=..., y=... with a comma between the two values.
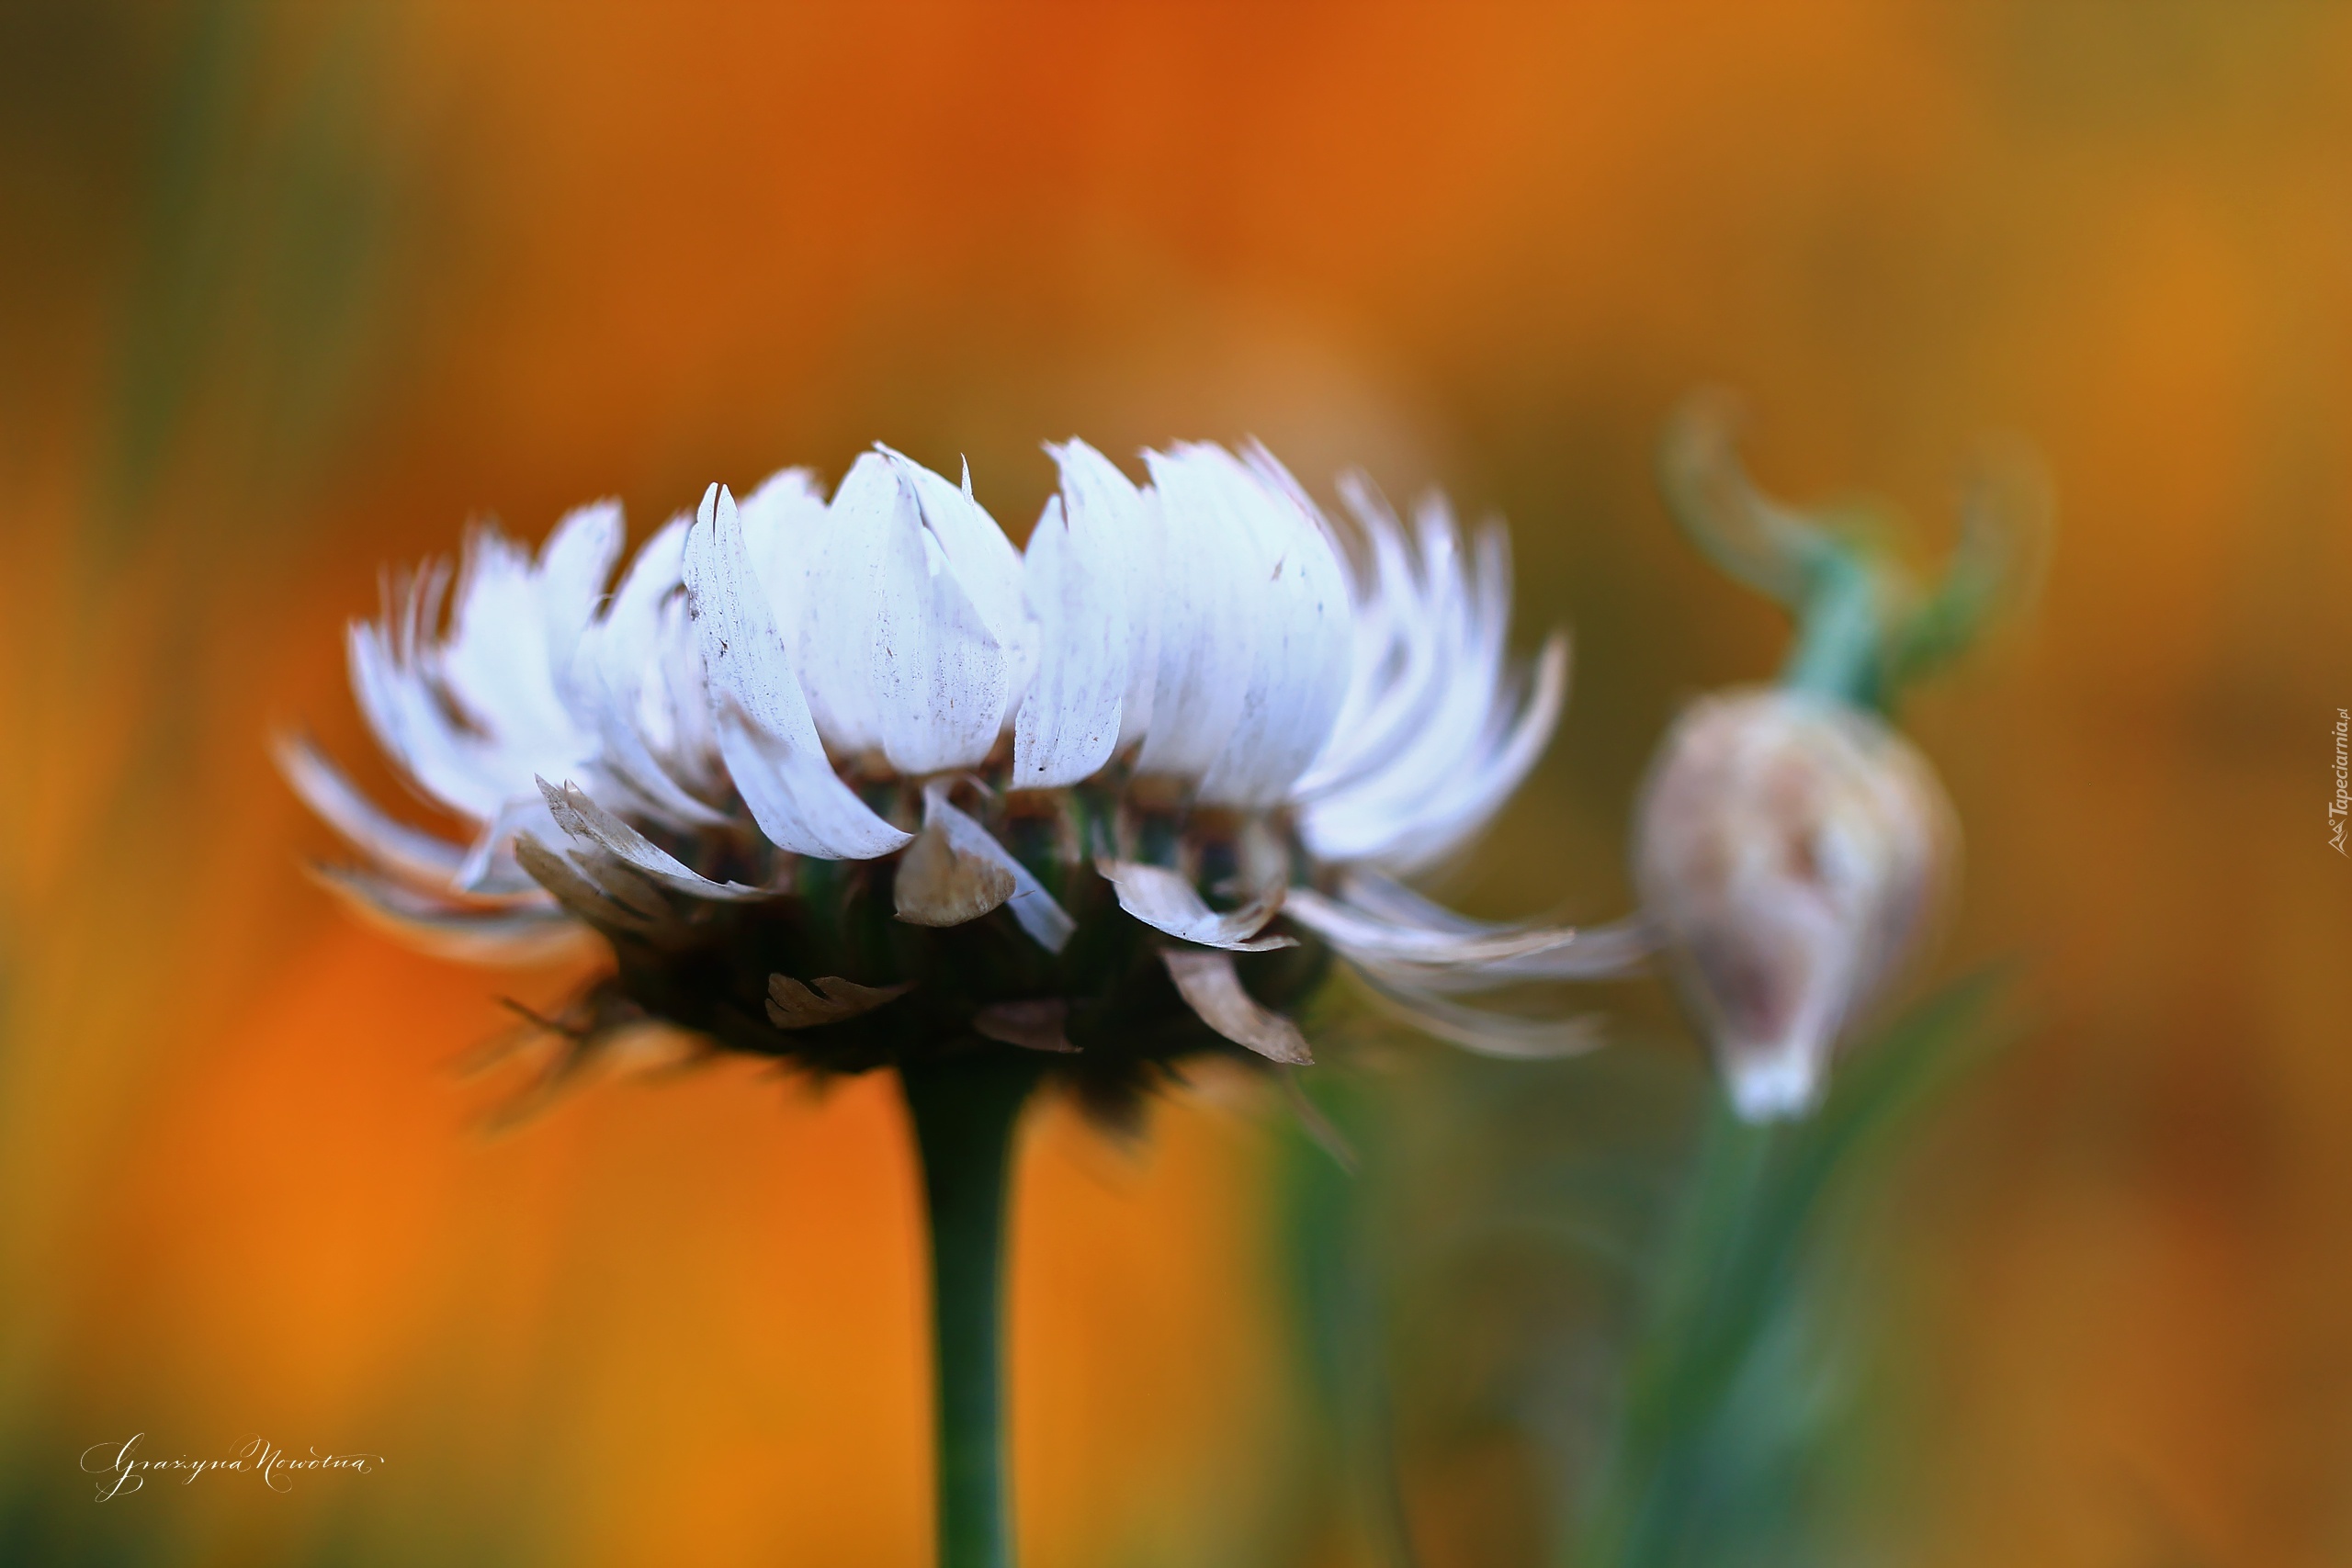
x=1792, y=850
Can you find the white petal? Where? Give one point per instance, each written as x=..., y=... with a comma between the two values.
x=841, y=597
x=407, y=715
x=1368, y=939
x=582, y=819
x=488, y=865
x=1298, y=675
x=1069, y=722
x=1165, y=901
x=410, y=854
x=1398, y=660
x=1212, y=990
x=942, y=681
x=901, y=657
x=512, y=627
x=1208, y=633
x=1455, y=813
x=983, y=559
x=1490, y=1033
x=765, y=731
x=1620, y=948
x=620, y=685
x=573, y=565
x=444, y=929
x=1779, y=1086
x=1112, y=522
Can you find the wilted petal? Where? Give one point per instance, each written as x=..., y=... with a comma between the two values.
x=939, y=885
x=582, y=818
x=1162, y=899
x=792, y=1004
x=1033, y=1025
x=1212, y=988
x=637, y=912
x=1031, y=905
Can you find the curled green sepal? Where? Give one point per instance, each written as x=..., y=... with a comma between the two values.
x=1865, y=629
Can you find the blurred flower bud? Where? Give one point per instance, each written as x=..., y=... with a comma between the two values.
x=1791, y=849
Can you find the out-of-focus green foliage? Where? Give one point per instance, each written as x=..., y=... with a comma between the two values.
x=1591, y=1274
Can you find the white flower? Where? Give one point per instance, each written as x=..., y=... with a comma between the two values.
x=1791, y=849
x=1193, y=708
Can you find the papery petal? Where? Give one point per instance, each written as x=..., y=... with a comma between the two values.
x=1165, y=901
x=1212, y=988
x=942, y=682
x=409, y=718
x=1035, y=908
x=829, y=1000
x=901, y=657
x=937, y=885
x=1033, y=1025
x=603, y=901
x=582, y=819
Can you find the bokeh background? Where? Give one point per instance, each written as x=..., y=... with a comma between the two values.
x=290, y=291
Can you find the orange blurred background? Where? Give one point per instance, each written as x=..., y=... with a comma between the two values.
x=289, y=292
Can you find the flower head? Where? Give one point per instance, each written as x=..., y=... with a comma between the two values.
x=853, y=780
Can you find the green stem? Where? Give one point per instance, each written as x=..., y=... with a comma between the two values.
x=1712, y=1297
x=965, y=1109
x=1840, y=644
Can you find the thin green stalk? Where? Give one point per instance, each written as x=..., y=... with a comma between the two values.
x=965, y=1109
x=1840, y=644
